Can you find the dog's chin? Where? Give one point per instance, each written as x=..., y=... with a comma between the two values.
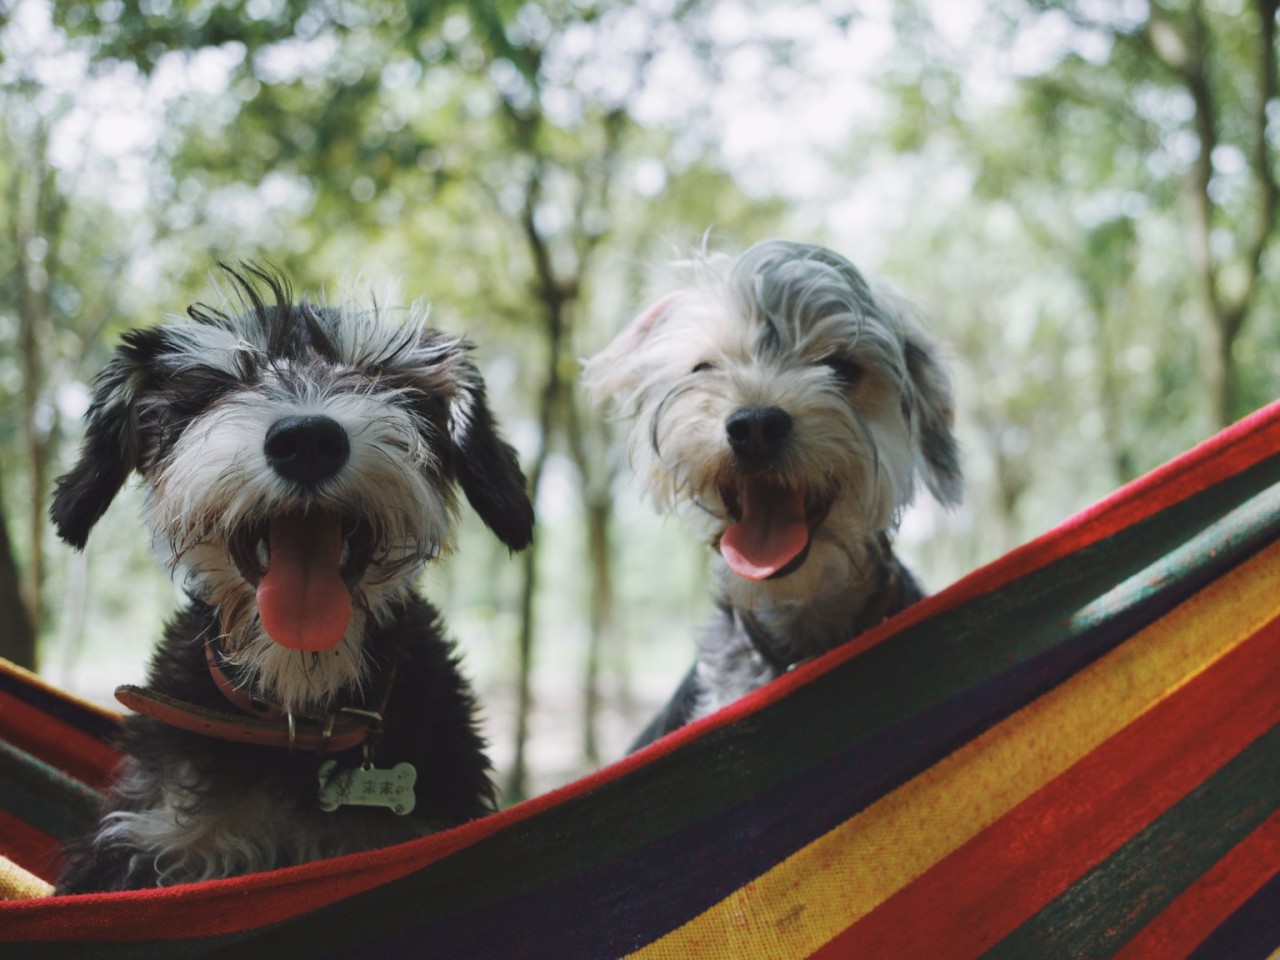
x=296, y=658
x=822, y=571
x=298, y=680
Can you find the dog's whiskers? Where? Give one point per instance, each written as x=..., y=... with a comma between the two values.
x=789, y=471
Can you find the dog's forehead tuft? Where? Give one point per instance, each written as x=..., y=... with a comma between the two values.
x=298, y=336
x=807, y=302
x=198, y=346
x=701, y=325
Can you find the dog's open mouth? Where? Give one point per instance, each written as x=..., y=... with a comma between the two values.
x=771, y=531
x=302, y=565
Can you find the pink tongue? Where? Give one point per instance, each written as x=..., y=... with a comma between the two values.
x=771, y=533
x=302, y=598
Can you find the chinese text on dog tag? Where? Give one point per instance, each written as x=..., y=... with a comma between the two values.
x=367, y=787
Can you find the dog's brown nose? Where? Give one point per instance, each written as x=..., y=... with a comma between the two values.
x=757, y=433
x=307, y=449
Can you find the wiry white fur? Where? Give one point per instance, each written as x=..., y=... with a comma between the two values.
x=857, y=445
x=217, y=479
x=187, y=836
x=763, y=331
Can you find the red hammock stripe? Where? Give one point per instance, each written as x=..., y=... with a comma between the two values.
x=31, y=849
x=79, y=754
x=1212, y=898
x=989, y=886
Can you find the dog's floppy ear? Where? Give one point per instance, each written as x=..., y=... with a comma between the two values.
x=111, y=442
x=486, y=465
x=932, y=415
x=612, y=374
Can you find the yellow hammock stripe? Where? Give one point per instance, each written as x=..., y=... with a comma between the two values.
x=794, y=908
x=18, y=884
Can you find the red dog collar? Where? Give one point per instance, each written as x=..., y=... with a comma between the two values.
x=257, y=722
x=330, y=735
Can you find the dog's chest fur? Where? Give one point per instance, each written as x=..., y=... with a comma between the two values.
x=744, y=648
x=187, y=807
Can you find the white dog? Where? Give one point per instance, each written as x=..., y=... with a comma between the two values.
x=786, y=408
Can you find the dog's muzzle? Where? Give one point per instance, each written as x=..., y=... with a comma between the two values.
x=770, y=535
x=303, y=599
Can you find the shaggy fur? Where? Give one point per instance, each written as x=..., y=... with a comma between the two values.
x=391, y=418
x=786, y=409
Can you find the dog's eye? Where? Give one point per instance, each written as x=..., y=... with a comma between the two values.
x=704, y=365
x=845, y=370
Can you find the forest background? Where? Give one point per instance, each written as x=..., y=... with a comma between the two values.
x=1081, y=194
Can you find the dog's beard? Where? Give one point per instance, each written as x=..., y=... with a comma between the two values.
x=834, y=560
x=772, y=524
x=230, y=530
x=804, y=540
x=299, y=680
x=844, y=480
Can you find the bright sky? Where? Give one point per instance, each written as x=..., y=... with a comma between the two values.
x=775, y=135
x=778, y=130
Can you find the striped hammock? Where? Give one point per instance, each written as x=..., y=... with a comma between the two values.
x=1073, y=752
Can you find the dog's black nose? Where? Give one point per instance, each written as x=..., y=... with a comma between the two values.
x=757, y=433
x=307, y=449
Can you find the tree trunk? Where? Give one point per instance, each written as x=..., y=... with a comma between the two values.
x=1111, y=399
x=73, y=606
x=557, y=293
x=1184, y=45
x=39, y=210
x=600, y=618
x=32, y=324
x=516, y=785
x=514, y=789
x=17, y=634
x=1220, y=371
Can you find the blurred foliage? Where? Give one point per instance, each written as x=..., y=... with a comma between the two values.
x=1032, y=171
x=1086, y=294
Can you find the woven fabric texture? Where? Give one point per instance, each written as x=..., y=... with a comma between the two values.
x=1072, y=752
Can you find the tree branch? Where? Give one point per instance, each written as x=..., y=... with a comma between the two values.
x=1263, y=168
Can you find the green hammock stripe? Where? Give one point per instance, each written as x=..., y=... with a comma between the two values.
x=44, y=797
x=1136, y=883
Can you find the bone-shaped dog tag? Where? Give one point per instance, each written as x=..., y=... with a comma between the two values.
x=367, y=786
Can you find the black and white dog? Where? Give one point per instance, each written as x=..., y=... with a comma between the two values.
x=299, y=465
x=786, y=408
